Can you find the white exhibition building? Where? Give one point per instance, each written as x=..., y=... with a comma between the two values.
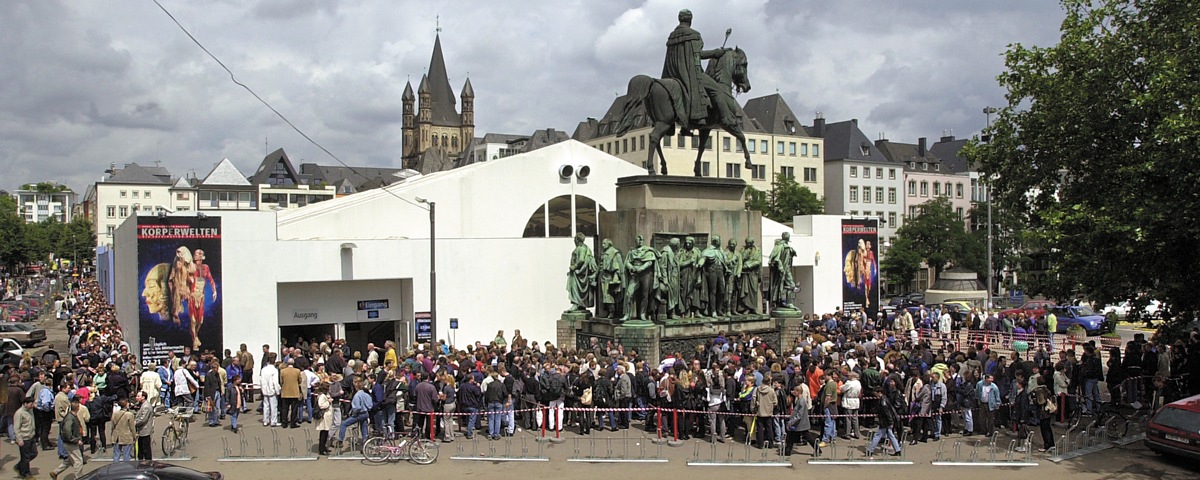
x=503, y=243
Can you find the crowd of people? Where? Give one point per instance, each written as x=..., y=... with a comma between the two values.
x=848, y=376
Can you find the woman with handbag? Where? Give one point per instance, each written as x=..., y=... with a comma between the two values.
x=324, y=417
x=582, y=389
x=1044, y=408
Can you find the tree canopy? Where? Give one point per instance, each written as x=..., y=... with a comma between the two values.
x=24, y=243
x=786, y=200
x=935, y=236
x=1097, y=147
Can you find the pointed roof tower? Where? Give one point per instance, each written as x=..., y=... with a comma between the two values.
x=423, y=87
x=467, y=91
x=408, y=92
x=442, y=96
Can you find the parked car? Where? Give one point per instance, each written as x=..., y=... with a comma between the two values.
x=1152, y=310
x=26, y=334
x=1032, y=308
x=148, y=470
x=11, y=351
x=1175, y=429
x=19, y=310
x=1085, y=317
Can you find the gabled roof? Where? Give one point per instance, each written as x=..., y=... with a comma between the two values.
x=267, y=167
x=905, y=152
x=182, y=183
x=441, y=95
x=845, y=141
x=137, y=174
x=948, y=150
x=225, y=174
x=773, y=115
x=357, y=177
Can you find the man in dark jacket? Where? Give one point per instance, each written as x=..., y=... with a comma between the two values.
x=212, y=393
x=470, y=398
x=885, y=411
x=798, y=426
x=426, y=396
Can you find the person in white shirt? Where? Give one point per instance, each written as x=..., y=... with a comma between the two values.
x=185, y=386
x=851, y=390
x=151, y=385
x=268, y=379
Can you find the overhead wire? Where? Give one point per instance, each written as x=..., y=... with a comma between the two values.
x=277, y=113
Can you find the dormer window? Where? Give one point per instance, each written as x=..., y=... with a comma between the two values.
x=924, y=166
x=912, y=164
x=937, y=167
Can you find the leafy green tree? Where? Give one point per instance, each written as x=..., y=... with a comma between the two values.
x=786, y=200
x=1097, y=146
x=12, y=225
x=937, y=237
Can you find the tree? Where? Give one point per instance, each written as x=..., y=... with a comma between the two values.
x=11, y=236
x=786, y=200
x=935, y=236
x=1097, y=147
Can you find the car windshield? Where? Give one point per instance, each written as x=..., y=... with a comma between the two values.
x=23, y=327
x=1085, y=311
x=1179, y=419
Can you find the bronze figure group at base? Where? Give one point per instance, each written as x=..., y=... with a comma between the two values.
x=678, y=280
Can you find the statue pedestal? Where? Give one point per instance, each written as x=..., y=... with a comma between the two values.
x=791, y=327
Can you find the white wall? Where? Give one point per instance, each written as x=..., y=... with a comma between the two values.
x=818, y=236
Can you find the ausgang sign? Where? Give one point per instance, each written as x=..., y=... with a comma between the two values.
x=306, y=315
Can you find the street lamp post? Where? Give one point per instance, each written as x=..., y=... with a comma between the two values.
x=432, y=269
x=987, y=189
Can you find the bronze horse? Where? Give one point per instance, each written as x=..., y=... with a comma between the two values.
x=654, y=96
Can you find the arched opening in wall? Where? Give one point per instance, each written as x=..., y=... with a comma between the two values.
x=557, y=218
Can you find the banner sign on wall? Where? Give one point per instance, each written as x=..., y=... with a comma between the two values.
x=424, y=324
x=860, y=266
x=179, y=279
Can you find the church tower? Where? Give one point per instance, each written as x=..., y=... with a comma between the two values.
x=440, y=134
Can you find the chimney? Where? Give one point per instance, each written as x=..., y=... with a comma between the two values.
x=947, y=136
x=921, y=147
x=854, y=121
x=819, y=126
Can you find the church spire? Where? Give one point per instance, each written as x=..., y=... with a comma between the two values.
x=442, y=96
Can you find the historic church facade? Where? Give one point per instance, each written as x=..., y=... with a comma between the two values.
x=435, y=133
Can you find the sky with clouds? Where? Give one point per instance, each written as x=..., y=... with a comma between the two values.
x=86, y=84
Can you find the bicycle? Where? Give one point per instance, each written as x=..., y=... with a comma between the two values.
x=175, y=435
x=1115, y=418
x=415, y=447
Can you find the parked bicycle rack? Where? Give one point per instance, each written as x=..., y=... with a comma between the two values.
x=622, y=454
x=1011, y=456
x=260, y=455
x=763, y=458
x=491, y=453
x=829, y=455
x=1083, y=443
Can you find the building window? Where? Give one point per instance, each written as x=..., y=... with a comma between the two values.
x=924, y=166
x=642, y=142
x=958, y=190
x=803, y=149
x=792, y=148
x=733, y=170
x=937, y=167
x=111, y=230
x=879, y=195
x=625, y=145
x=764, y=147
x=892, y=195
x=866, y=194
x=751, y=145
x=135, y=194
x=912, y=211
x=704, y=169
x=122, y=194
x=816, y=150
x=111, y=210
x=779, y=148
x=924, y=189
x=892, y=220
x=183, y=196
x=912, y=188
x=666, y=141
x=146, y=194
x=725, y=142
x=854, y=213
x=679, y=141
x=435, y=140
x=879, y=173
x=124, y=211
x=737, y=147
x=854, y=193
x=810, y=174
x=975, y=190
x=891, y=174
x=759, y=172
x=790, y=172
x=853, y=172
x=959, y=211
x=937, y=189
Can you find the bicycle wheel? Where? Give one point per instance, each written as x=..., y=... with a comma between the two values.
x=170, y=441
x=377, y=449
x=423, y=451
x=1073, y=419
x=1116, y=427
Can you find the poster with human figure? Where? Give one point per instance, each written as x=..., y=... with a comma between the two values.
x=860, y=266
x=179, y=281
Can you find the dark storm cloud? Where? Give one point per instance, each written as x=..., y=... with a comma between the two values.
x=89, y=83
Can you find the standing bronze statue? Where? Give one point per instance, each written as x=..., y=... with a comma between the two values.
x=639, y=281
x=611, y=280
x=687, y=95
x=782, y=283
x=581, y=278
x=733, y=274
x=712, y=268
x=751, y=281
x=668, y=279
x=689, y=277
